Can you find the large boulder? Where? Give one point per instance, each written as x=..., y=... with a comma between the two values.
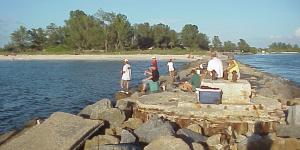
x=114, y=116
x=153, y=129
x=167, y=143
x=197, y=146
x=100, y=140
x=196, y=128
x=91, y=111
x=132, y=123
x=125, y=106
x=214, y=140
x=190, y=136
x=288, y=131
x=127, y=137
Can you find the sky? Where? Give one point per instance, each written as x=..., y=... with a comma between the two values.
x=259, y=22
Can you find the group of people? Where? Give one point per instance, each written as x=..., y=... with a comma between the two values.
x=152, y=74
x=214, y=69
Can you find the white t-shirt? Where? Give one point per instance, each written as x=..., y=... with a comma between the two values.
x=216, y=64
x=126, y=72
x=170, y=66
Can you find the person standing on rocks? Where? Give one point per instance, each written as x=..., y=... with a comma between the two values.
x=171, y=68
x=215, y=67
x=126, y=76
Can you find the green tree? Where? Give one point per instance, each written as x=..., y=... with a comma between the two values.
x=55, y=35
x=296, y=46
x=161, y=35
x=83, y=32
x=37, y=38
x=123, y=30
x=203, y=41
x=243, y=46
x=216, y=43
x=106, y=19
x=190, y=36
x=229, y=46
x=143, y=35
x=20, y=38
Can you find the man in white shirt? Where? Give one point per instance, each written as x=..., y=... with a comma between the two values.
x=126, y=75
x=215, y=66
x=171, y=68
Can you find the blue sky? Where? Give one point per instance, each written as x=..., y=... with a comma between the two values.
x=259, y=22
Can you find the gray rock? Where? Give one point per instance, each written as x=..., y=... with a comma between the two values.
x=240, y=138
x=120, y=147
x=101, y=140
x=125, y=106
x=167, y=143
x=294, y=115
x=59, y=131
x=214, y=140
x=114, y=116
x=153, y=129
x=197, y=146
x=92, y=111
x=288, y=131
x=257, y=142
x=127, y=137
x=195, y=127
x=132, y=123
x=190, y=136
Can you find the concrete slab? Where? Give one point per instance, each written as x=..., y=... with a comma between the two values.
x=183, y=108
x=294, y=115
x=60, y=131
x=233, y=92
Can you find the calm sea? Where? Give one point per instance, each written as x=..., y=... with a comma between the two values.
x=31, y=89
x=284, y=65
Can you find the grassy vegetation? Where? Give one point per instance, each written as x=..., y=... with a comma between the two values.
x=60, y=50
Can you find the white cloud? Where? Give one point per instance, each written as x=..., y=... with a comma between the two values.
x=297, y=32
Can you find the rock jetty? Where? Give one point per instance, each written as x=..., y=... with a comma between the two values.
x=262, y=114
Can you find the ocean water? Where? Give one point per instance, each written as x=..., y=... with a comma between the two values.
x=31, y=89
x=284, y=65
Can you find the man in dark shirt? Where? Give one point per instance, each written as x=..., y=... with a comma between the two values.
x=154, y=76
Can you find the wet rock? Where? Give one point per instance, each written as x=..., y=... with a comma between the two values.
x=190, y=136
x=6, y=136
x=196, y=128
x=288, y=131
x=153, y=129
x=101, y=140
x=197, y=146
x=167, y=143
x=127, y=137
x=132, y=123
x=114, y=116
x=92, y=111
x=119, y=147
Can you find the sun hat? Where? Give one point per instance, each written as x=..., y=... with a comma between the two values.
x=126, y=60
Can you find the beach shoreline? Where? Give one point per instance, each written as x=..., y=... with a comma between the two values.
x=93, y=57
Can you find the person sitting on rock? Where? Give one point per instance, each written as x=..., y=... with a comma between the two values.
x=154, y=76
x=232, y=72
x=215, y=67
x=193, y=83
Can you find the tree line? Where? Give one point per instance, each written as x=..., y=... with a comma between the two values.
x=110, y=31
x=279, y=46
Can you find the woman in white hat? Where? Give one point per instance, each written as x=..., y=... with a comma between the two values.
x=126, y=75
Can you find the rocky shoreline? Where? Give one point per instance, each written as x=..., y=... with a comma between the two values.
x=140, y=122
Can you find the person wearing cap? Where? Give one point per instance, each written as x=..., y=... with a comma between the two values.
x=171, y=68
x=154, y=62
x=215, y=66
x=232, y=72
x=126, y=76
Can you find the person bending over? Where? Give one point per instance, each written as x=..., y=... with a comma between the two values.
x=193, y=83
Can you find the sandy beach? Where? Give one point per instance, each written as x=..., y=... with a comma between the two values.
x=94, y=57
